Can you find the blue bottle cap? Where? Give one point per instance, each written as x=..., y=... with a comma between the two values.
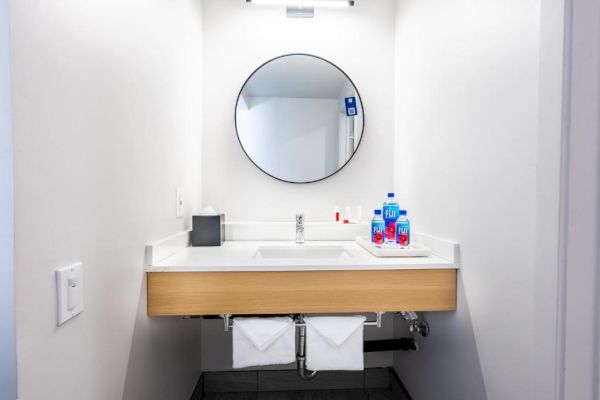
x=402, y=212
x=377, y=212
x=391, y=194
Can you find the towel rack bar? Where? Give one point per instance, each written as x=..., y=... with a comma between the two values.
x=228, y=321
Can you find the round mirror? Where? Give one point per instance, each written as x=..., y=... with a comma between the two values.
x=299, y=118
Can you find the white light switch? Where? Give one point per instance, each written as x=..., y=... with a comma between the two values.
x=72, y=293
x=69, y=290
x=179, y=204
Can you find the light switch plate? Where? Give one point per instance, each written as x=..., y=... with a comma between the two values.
x=69, y=291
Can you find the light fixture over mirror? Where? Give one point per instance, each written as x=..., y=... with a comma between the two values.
x=303, y=8
x=304, y=3
x=299, y=118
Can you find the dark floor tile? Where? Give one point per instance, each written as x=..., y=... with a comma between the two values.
x=197, y=394
x=301, y=395
x=230, y=382
x=327, y=380
x=353, y=394
x=398, y=389
x=382, y=394
x=230, y=396
x=377, y=378
x=356, y=394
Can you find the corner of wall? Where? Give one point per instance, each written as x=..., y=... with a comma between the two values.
x=8, y=362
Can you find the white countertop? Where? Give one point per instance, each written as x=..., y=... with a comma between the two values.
x=235, y=256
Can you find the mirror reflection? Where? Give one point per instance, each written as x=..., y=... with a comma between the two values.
x=299, y=118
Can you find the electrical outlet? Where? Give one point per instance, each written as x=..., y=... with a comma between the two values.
x=179, y=203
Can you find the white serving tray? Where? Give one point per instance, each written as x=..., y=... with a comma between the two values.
x=414, y=250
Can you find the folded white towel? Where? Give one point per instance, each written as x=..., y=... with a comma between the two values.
x=334, y=343
x=263, y=341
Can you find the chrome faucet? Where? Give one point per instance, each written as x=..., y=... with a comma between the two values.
x=299, y=228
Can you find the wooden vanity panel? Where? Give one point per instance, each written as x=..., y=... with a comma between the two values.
x=213, y=293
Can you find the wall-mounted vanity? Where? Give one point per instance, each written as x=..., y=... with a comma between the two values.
x=281, y=277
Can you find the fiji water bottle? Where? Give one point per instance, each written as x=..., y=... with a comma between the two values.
x=390, y=215
x=377, y=228
x=403, y=229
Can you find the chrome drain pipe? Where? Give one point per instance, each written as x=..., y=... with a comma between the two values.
x=303, y=373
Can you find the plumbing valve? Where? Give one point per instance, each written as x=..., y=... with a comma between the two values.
x=419, y=326
x=416, y=325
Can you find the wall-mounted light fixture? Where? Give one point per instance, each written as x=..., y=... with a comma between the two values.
x=303, y=8
x=304, y=3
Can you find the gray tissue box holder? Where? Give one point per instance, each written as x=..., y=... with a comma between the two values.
x=208, y=230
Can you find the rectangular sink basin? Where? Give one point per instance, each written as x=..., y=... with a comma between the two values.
x=302, y=251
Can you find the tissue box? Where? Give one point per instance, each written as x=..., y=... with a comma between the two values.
x=208, y=230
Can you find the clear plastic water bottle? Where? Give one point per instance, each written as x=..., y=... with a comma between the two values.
x=377, y=228
x=390, y=215
x=403, y=229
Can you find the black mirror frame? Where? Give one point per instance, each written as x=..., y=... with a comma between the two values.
x=339, y=69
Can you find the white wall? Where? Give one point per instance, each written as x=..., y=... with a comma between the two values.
x=237, y=39
x=106, y=113
x=8, y=362
x=549, y=143
x=466, y=142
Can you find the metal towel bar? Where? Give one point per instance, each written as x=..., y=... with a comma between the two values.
x=228, y=321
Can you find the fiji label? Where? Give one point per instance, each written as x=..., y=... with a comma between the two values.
x=377, y=233
x=390, y=215
x=403, y=235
